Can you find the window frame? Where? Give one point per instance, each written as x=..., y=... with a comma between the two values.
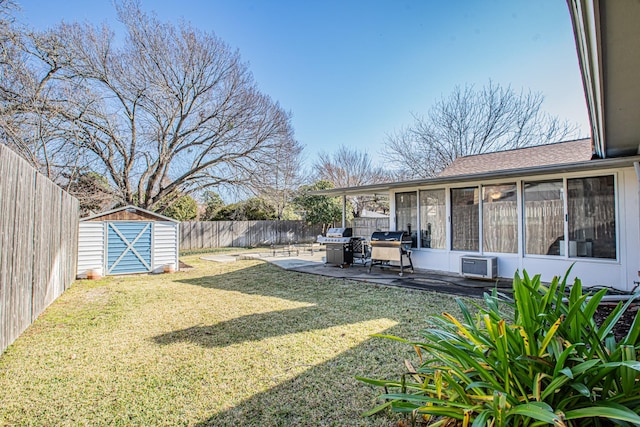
x=414, y=229
x=478, y=188
x=520, y=200
x=569, y=218
x=445, y=222
x=518, y=214
x=563, y=189
x=566, y=256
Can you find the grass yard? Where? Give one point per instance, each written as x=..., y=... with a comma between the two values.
x=234, y=344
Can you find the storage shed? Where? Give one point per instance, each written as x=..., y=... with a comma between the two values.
x=127, y=240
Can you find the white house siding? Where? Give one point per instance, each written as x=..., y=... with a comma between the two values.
x=630, y=238
x=165, y=245
x=619, y=273
x=90, y=247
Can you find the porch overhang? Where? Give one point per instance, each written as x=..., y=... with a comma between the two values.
x=607, y=38
x=609, y=163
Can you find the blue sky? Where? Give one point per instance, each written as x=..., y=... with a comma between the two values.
x=352, y=72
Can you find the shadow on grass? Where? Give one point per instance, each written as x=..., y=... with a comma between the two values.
x=242, y=329
x=332, y=304
x=314, y=394
x=326, y=394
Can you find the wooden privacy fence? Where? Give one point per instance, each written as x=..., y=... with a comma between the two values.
x=38, y=244
x=229, y=234
x=364, y=227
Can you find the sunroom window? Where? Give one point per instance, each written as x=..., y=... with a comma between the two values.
x=592, y=217
x=433, y=214
x=407, y=214
x=465, y=217
x=590, y=213
x=499, y=218
x=544, y=217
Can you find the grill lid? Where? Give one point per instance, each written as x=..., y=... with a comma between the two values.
x=339, y=232
x=390, y=236
x=390, y=239
x=328, y=240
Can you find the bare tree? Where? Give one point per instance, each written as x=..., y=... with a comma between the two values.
x=277, y=179
x=6, y=26
x=471, y=121
x=29, y=100
x=348, y=167
x=171, y=110
x=92, y=191
x=18, y=84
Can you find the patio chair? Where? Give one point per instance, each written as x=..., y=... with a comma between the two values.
x=361, y=250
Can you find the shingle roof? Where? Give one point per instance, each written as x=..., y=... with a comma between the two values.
x=542, y=155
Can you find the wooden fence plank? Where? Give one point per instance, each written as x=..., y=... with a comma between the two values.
x=7, y=208
x=239, y=233
x=38, y=244
x=196, y=235
x=41, y=228
x=22, y=248
x=225, y=234
x=364, y=227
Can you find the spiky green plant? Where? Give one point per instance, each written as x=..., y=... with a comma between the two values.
x=535, y=358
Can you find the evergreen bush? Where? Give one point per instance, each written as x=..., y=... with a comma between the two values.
x=534, y=358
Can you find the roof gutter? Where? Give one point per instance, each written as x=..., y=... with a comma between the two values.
x=585, y=17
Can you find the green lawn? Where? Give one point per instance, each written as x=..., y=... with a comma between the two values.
x=235, y=344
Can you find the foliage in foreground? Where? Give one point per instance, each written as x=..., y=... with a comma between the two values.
x=552, y=364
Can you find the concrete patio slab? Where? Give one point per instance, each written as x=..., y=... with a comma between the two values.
x=220, y=258
x=314, y=263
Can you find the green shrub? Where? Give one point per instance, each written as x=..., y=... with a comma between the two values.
x=535, y=358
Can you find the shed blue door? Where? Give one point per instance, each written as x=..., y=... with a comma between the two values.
x=128, y=247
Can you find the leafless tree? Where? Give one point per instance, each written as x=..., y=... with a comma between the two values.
x=174, y=106
x=169, y=110
x=92, y=191
x=348, y=167
x=471, y=121
x=28, y=99
x=277, y=179
x=17, y=83
x=8, y=32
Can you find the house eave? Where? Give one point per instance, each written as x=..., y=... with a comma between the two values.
x=609, y=163
x=607, y=38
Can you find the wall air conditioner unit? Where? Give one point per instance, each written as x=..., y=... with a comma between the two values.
x=483, y=267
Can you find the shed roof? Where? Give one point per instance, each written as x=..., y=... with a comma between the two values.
x=530, y=157
x=128, y=212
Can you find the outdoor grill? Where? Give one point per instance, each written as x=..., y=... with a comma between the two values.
x=391, y=246
x=337, y=243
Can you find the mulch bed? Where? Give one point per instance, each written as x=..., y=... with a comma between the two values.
x=623, y=325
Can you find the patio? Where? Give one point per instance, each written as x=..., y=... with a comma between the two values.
x=312, y=262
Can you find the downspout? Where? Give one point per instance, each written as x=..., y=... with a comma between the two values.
x=636, y=166
x=344, y=210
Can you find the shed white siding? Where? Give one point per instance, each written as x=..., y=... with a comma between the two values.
x=165, y=245
x=127, y=240
x=90, y=248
